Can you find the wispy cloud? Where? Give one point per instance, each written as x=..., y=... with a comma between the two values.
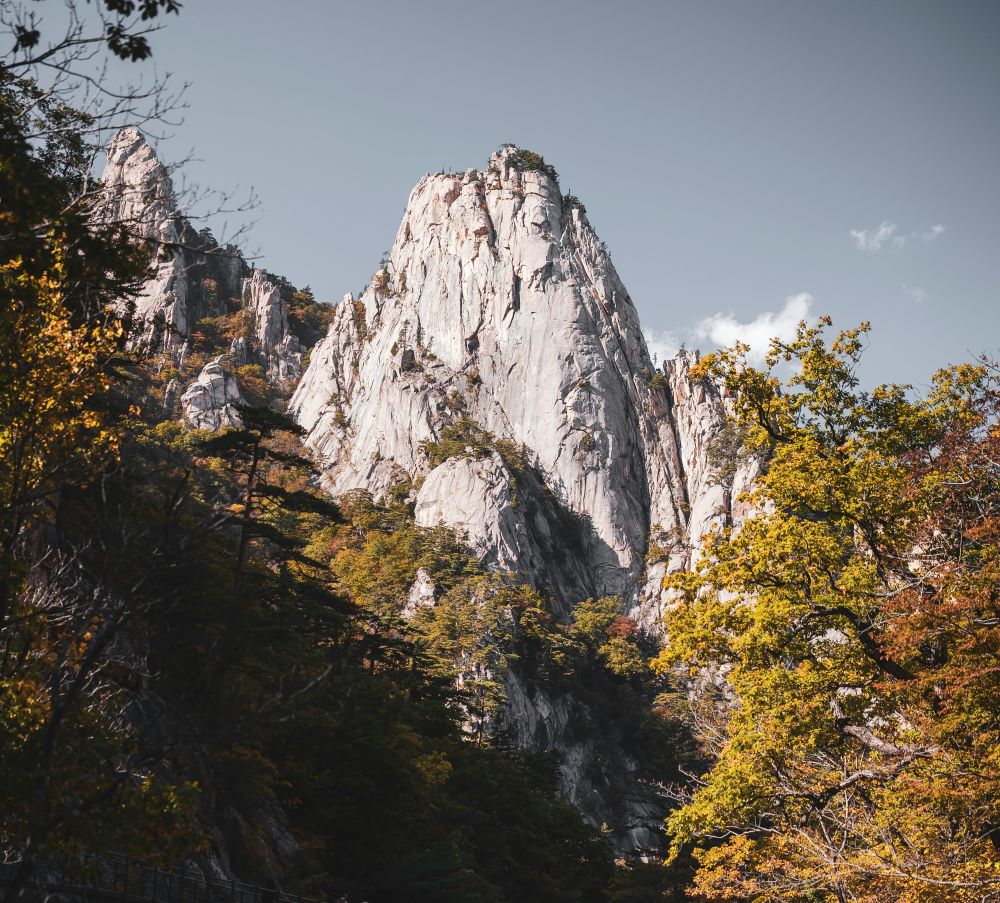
x=662, y=345
x=886, y=236
x=876, y=239
x=915, y=293
x=932, y=233
x=725, y=329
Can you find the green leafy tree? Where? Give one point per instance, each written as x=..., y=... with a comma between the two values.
x=851, y=736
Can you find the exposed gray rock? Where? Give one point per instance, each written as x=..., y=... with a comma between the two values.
x=262, y=298
x=280, y=350
x=140, y=196
x=518, y=303
x=193, y=274
x=239, y=353
x=500, y=303
x=170, y=397
x=475, y=495
x=285, y=362
x=712, y=478
x=260, y=835
x=510, y=522
x=596, y=775
x=421, y=595
x=210, y=402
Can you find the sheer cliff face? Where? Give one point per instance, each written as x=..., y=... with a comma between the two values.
x=499, y=303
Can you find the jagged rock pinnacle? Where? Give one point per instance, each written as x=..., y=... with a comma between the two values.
x=499, y=303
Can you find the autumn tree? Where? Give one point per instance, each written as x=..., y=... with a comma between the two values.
x=841, y=646
x=59, y=280
x=65, y=280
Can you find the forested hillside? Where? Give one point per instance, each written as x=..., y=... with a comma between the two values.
x=204, y=657
x=450, y=592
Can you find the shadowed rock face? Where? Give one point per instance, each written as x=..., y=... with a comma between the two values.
x=499, y=302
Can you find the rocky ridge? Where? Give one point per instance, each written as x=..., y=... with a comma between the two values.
x=138, y=192
x=193, y=277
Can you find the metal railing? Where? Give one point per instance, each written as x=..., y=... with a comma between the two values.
x=112, y=877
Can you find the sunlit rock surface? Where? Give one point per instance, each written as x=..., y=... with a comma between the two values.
x=211, y=402
x=499, y=303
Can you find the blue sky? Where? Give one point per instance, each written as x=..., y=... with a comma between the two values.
x=739, y=158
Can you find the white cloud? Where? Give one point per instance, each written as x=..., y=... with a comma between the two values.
x=932, y=233
x=885, y=236
x=875, y=240
x=915, y=292
x=662, y=345
x=725, y=329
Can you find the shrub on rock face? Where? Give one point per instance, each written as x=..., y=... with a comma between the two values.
x=308, y=318
x=465, y=437
x=408, y=361
x=529, y=161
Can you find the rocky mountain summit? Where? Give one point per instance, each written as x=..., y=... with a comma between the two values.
x=500, y=311
x=196, y=279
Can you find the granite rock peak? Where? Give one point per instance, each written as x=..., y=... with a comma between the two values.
x=498, y=305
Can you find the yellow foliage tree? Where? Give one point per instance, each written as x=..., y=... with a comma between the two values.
x=851, y=625
x=64, y=288
x=51, y=372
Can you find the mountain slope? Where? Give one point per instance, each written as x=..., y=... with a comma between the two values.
x=493, y=373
